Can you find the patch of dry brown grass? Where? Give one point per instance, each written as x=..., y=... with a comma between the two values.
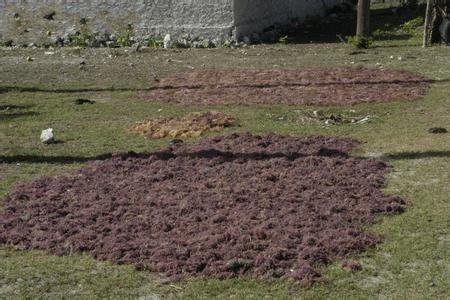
x=191, y=125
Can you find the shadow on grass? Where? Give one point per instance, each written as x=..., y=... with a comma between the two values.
x=38, y=159
x=416, y=155
x=11, y=116
x=21, y=89
x=210, y=154
x=167, y=154
x=8, y=107
x=330, y=29
x=5, y=89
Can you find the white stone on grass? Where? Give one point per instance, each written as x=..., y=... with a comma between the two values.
x=47, y=136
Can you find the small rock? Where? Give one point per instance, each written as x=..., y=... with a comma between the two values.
x=400, y=58
x=111, y=44
x=167, y=41
x=57, y=40
x=196, y=44
x=29, y=58
x=247, y=40
x=136, y=47
x=184, y=42
x=47, y=136
x=50, y=16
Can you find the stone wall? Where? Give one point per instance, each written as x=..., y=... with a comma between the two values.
x=23, y=20
x=45, y=21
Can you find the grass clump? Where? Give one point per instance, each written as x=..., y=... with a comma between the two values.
x=360, y=42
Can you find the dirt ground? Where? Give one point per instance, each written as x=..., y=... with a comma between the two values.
x=271, y=205
x=190, y=125
x=332, y=86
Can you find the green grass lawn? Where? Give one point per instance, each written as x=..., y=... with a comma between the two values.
x=413, y=261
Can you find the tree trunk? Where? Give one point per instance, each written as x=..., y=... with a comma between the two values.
x=428, y=21
x=363, y=26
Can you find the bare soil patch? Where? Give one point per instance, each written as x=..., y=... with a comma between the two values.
x=191, y=125
x=264, y=205
x=334, y=86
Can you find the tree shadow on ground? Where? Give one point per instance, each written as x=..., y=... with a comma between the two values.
x=335, y=28
x=416, y=155
x=166, y=154
x=23, y=89
x=15, y=115
x=199, y=86
x=8, y=107
x=39, y=159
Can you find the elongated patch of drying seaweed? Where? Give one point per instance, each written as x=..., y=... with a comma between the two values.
x=334, y=86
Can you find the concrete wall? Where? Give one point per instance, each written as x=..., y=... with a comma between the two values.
x=213, y=18
x=252, y=16
x=23, y=20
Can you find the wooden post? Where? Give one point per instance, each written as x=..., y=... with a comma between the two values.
x=428, y=23
x=363, y=23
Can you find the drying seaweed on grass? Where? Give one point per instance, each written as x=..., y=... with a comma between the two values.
x=334, y=86
x=268, y=205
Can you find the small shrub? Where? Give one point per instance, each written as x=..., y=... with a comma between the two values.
x=154, y=42
x=82, y=39
x=360, y=42
x=126, y=39
x=413, y=24
x=380, y=34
